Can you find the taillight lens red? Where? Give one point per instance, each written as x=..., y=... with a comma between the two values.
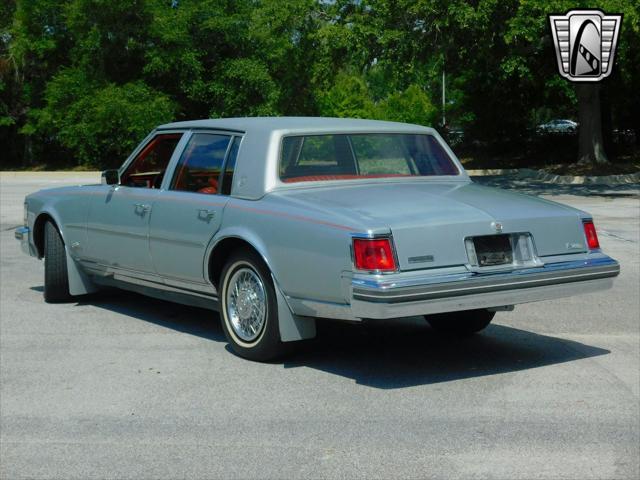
x=592, y=236
x=374, y=254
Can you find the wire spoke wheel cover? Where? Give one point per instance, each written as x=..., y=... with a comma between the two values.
x=246, y=304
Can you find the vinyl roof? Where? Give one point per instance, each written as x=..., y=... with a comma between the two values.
x=298, y=125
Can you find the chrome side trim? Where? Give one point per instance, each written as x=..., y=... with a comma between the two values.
x=160, y=286
x=161, y=292
x=101, y=270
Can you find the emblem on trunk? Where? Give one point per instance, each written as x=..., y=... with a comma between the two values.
x=585, y=42
x=497, y=226
x=422, y=259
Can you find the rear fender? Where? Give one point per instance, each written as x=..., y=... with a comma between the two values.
x=292, y=327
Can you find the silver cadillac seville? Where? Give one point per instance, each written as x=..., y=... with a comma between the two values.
x=277, y=222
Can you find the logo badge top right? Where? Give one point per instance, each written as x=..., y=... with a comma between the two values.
x=585, y=42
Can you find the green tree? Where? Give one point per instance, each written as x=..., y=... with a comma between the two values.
x=35, y=45
x=411, y=106
x=532, y=53
x=349, y=96
x=100, y=123
x=149, y=61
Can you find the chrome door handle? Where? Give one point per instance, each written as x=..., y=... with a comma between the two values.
x=206, y=215
x=142, y=208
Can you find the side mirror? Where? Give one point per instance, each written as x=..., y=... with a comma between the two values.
x=110, y=177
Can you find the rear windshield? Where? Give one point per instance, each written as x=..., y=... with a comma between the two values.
x=372, y=155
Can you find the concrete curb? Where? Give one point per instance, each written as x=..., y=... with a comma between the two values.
x=545, y=177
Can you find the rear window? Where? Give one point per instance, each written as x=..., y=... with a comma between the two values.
x=372, y=155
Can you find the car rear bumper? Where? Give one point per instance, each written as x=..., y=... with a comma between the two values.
x=421, y=295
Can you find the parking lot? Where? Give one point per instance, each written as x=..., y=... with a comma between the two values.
x=118, y=385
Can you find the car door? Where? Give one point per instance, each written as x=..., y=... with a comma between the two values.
x=188, y=212
x=118, y=222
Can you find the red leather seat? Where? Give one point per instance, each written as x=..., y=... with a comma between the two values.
x=212, y=188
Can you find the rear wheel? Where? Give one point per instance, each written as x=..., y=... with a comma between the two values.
x=466, y=322
x=56, y=281
x=249, y=308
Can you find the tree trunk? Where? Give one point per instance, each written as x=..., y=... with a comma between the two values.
x=607, y=124
x=590, y=143
x=27, y=157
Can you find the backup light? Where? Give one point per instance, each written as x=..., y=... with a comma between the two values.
x=374, y=254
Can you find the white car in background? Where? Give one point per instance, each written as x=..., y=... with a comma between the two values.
x=558, y=126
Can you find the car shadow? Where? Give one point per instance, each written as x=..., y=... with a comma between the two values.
x=182, y=318
x=385, y=354
x=405, y=352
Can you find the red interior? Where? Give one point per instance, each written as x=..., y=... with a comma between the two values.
x=320, y=178
x=143, y=172
x=212, y=188
x=201, y=182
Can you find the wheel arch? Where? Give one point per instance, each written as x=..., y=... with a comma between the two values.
x=223, y=245
x=79, y=282
x=38, y=231
x=291, y=326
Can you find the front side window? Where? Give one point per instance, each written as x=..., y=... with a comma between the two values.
x=357, y=156
x=147, y=169
x=201, y=163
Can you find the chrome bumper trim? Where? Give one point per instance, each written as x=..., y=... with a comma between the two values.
x=456, y=285
x=424, y=294
x=489, y=300
x=22, y=235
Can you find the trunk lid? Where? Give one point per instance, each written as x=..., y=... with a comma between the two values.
x=430, y=220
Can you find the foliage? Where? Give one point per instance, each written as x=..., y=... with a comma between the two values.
x=87, y=79
x=411, y=106
x=101, y=124
x=349, y=96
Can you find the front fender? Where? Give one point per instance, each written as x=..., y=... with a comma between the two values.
x=47, y=205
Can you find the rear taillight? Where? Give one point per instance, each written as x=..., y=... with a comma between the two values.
x=592, y=236
x=373, y=254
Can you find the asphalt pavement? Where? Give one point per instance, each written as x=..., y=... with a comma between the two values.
x=118, y=385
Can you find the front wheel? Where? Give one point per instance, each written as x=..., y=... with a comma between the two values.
x=462, y=323
x=249, y=307
x=56, y=281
